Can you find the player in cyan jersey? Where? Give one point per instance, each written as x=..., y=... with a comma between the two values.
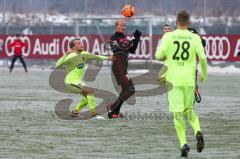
x=180, y=49
x=75, y=63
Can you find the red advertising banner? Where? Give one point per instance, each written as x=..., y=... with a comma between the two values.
x=222, y=47
x=218, y=48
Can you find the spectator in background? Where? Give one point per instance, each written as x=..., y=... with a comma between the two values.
x=167, y=27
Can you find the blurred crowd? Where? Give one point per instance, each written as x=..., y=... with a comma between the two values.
x=34, y=12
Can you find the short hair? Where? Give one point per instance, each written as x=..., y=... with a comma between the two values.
x=71, y=43
x=183, y=17
x=17, y=35
x=116, y=24
x=166, y=25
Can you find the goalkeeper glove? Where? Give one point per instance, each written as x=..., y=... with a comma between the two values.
x=137, y=34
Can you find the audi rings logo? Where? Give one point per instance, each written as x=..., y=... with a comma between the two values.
x=143, y=49
x=67, y=39
x=25, y=50
x=1, y=44
x=217, y=47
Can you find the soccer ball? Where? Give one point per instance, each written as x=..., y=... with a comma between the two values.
x=128, y=11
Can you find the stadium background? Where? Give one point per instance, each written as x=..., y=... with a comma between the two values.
x=84, y=18
x=56, y=17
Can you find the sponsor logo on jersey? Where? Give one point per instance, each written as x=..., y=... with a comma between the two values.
x=80, y=66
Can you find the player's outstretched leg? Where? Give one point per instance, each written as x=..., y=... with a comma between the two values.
x=127, y=91
x=88, y=92
x=12, y=63
x=194, y=122
x=23, y=63
x=180, y=127
x=88, y=98
x=82, y=104
x=113, y=109
x=91, y=104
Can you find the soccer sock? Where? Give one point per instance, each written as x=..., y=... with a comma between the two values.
x=117, y=105
x=82, y=104
x=180, y=127
x=193, y=120
x=91, y=104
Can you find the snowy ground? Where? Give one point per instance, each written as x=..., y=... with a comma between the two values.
x=30, y=128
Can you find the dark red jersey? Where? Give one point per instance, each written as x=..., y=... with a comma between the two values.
x=121, y=48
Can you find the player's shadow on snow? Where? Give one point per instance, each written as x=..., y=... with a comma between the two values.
x=62, y=108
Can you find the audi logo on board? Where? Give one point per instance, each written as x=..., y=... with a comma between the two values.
x=217, y=47
x=25, y=50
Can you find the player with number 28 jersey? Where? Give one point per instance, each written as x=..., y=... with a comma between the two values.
x=180, y=48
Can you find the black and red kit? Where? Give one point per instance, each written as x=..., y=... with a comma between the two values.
x=121, y=48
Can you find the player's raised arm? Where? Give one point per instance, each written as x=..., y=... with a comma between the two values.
x=203, y=59
x=61, y=61
x=90, y=56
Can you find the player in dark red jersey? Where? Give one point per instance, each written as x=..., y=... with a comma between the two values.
x=17, y=45
x=197, y=93
x=121, y=48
